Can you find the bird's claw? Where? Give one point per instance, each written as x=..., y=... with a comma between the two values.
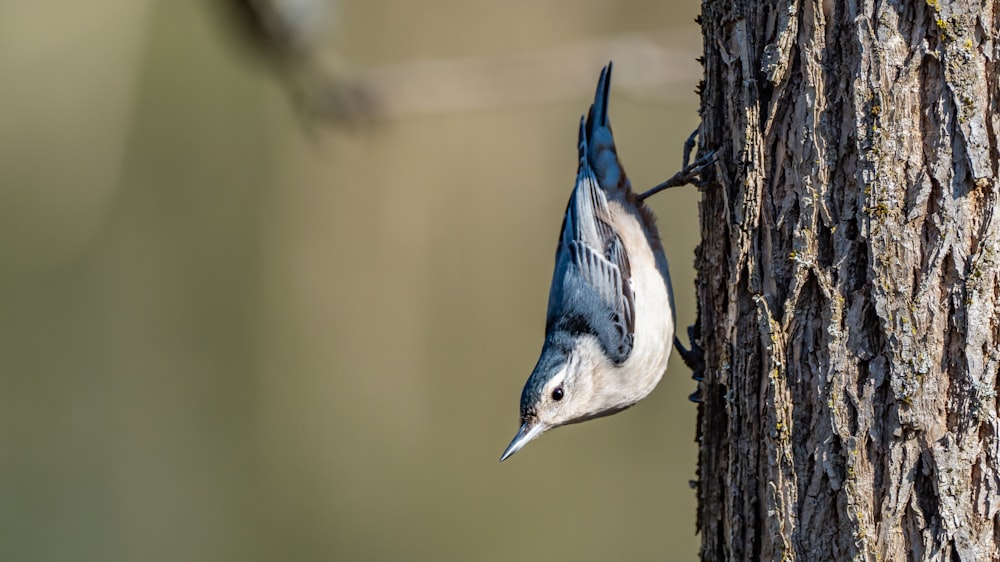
x=689, y=174
x=694, y=358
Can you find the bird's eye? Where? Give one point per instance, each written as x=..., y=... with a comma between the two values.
x=557, y=394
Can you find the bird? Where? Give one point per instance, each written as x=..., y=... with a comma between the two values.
x=609, y=327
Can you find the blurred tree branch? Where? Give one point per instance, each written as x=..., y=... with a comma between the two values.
x=286, y=35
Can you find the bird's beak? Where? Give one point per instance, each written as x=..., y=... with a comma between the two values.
x=527, y=432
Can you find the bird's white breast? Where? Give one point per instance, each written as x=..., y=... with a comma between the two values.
x=654, y=324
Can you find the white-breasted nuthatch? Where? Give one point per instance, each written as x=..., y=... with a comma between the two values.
x=610, y=323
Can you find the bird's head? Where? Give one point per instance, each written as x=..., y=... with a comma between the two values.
x=572, y=382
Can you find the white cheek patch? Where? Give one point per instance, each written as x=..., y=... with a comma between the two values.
x=559, y=378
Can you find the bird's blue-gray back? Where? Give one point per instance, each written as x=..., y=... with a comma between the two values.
x=590, y=290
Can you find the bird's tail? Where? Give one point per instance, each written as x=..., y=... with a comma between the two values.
x=597, y=143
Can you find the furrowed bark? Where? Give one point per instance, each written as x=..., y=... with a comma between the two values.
x=849, y=281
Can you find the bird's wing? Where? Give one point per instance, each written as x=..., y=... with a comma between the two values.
x=591, y=291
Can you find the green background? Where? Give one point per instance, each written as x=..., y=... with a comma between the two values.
x=225, y=337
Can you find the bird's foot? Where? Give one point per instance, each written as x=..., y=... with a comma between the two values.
x=689, y=174
x=694, y=358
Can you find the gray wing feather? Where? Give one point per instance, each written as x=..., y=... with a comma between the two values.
x=591, y=291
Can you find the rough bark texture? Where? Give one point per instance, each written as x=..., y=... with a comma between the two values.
x=848, y=281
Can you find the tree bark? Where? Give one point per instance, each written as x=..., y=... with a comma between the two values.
x=849, y=281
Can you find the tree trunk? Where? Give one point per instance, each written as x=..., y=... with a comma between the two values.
x=848, y=281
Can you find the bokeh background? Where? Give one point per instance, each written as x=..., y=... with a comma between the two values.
x=229, y=332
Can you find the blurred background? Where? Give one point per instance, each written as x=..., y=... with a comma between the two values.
x=271, y=293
